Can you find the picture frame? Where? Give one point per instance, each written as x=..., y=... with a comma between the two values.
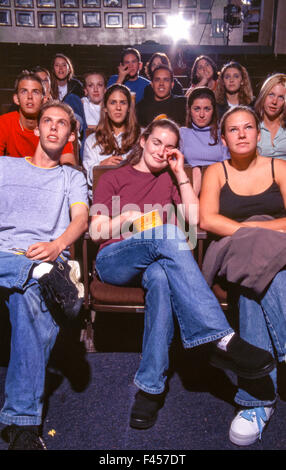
x=91, y=3
x=136, y=20
x=69, y=3
x=190, y=16
x=205, y=4
x=47, y=19
x=187, y=3
x=24, y=3
x=69, y=19
x=5, y=3
x=5, y=18
x=46, y=3
x=112, y=3
x=162, y=4
x=159, y=20
x=25, y=18
x=205, y=18
x=91, y=19
x=113, y=20
x=136, y=3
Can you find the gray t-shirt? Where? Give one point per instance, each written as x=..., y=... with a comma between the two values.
x=35, y=202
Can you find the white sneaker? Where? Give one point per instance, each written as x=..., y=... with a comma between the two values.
x=248, y=425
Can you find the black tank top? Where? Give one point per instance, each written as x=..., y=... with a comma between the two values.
x=239, y=208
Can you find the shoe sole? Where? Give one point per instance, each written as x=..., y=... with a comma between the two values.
x=241, y=440
x=134, y=423
x=221, y=363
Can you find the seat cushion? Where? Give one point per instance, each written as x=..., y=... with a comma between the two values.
x=108, y=294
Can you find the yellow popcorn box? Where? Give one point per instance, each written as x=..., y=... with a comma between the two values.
x=149, y=220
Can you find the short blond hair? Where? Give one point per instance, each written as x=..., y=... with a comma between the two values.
x=270, y=82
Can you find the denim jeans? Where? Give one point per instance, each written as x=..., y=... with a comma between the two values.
x=33, y=334
x=160, y=260
x=263, y=324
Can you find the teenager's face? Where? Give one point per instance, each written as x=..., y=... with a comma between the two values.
x=155, y=148
x=54, y=130
x=202, y=112
x=155, y=63
x=162, y=84
x=94, y=88
x=133, y=64
x=61, y=68
x=232, y=80
x=275, y=101
x=117, y=107
x=204, y=69
x=29, y=97
x=241, y=134
x=46, y=82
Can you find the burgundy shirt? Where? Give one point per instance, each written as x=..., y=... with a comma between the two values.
x=136, y=190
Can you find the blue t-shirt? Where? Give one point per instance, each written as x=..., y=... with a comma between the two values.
x=35, y=202
x=137, y=86
x=195, y=146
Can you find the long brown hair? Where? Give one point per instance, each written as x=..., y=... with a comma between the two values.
x=104, y=132
x=54, y=83
x=203, y=92
x=136, y=154
x=245, y=94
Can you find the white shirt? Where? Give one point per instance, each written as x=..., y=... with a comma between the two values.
x=62, y=91
x=92, y=156
x=91, y=112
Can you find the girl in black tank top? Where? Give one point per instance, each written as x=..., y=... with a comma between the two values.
x=239, y=207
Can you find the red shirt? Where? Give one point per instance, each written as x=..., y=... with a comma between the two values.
x=145, y=190
x=16, y=141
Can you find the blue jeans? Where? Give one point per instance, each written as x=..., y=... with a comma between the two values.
x=160, y=260
x=33, y=334
x=263, y=324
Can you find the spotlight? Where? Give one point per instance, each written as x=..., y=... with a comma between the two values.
x=178, y=27
x=232, y=15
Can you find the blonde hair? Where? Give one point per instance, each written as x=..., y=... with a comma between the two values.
x=270, y=82
x=245, y=94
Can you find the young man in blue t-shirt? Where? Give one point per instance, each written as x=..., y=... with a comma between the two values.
x=128, y=73
x=43, y=210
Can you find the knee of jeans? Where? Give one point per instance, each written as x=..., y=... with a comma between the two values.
x=154, y=273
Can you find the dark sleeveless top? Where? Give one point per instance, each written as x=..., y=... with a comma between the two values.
x=239, y=208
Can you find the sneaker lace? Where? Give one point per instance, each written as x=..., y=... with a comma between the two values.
x=258, y=414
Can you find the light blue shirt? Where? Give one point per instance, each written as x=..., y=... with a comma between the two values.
x=195, y=146
x=265, y=146
x=35, y=202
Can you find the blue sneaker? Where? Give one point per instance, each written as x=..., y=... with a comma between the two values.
x=248, y=425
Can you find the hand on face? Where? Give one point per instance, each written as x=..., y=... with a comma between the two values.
x=175, y=160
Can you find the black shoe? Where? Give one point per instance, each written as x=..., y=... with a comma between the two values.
x=145, y=410
x=25, y=438
x=61, y=288
x=247, y=361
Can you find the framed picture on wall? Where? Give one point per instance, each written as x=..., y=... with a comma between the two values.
x=206, y=4
x=46, y=3
x=187, y=3
x=161, y=4
x=190, y=16
x=113, y=20
x=205, y=18
x=5, y=3
x=5, y=18
x=69, y=3
x=112, y=3
x=136, y=3
x=159, y=20
x=25, y=18
x=136, y=20
x=69, y=19
x=47, y=19
x=24, y=3
x=91, y=3
x=91, y=19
